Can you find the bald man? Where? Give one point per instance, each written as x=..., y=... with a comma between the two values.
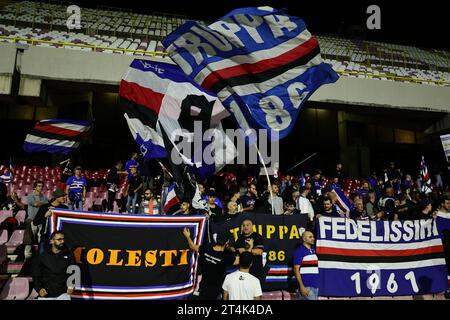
x=306, y=269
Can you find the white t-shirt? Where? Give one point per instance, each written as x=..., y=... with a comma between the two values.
x=304, y=205
x=242, y=286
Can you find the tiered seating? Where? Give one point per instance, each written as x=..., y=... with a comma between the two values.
x=81, y=42
x=365, y=59
x=96, y=20
x=130, y=33
x=24, y=177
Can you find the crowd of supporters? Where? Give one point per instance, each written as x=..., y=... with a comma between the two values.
x=388, y=195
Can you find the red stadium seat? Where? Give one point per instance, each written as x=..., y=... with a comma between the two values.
x=20, y=216
x=15, y=241
x=15, y=289
x=3, y=236
x=290, y=295
x=3, y=257
x=272, y=295
x=4, y=214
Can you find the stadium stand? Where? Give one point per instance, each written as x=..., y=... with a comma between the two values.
x=122, y=32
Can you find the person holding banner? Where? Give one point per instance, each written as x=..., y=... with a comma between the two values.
x=306, y=268
x=214, y=260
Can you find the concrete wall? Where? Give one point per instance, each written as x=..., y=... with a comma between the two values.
x=372, y=92
x=73, y=65
x=7, y=59
x=103, y=68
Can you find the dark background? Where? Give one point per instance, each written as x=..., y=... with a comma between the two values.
x=419, y=23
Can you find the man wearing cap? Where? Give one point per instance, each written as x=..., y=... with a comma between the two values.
x=76, y=190
x=57, y=201
x=214, y=260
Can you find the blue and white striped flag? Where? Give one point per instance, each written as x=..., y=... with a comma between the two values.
x=262, y=63
x=425, y=176
x=343, y=204
x=56, y=136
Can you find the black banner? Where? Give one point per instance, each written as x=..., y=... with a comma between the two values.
x=281, y=235
x=130, y=256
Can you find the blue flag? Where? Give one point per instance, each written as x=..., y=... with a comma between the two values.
x=262, y=63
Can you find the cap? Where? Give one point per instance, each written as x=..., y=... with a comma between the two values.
x=78, y=168
x=59, y=193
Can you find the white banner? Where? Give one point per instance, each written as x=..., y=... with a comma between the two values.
x=445, y=139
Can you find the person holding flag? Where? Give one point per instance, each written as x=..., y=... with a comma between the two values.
x=8, y=178
x=425, y=177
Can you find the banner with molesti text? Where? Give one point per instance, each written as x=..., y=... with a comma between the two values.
x=130, y=256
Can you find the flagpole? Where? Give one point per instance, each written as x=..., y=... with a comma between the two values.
x=267, y=175
x=302, y=161
x=165, y=169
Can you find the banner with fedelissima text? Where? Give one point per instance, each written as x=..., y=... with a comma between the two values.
x=281, y=235
x=379, y=258
x=130, y=256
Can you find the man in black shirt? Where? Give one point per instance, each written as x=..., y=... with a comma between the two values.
x=135, y=185
x=404, y=211
x=50, y=270
x=214, y=260
x=185, y=208
x=245, y=239
x=387, y=203
x=424, y=210
x=44, y=212
x=112, y=182
x=67, y=172
x=215, y=212
x=328, y=210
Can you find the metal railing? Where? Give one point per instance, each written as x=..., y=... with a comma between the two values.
x=81, y=45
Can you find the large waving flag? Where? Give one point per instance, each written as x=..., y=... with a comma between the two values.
x=425, y=177
x=159, y=100
x=262, y=63
x=56, y=136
